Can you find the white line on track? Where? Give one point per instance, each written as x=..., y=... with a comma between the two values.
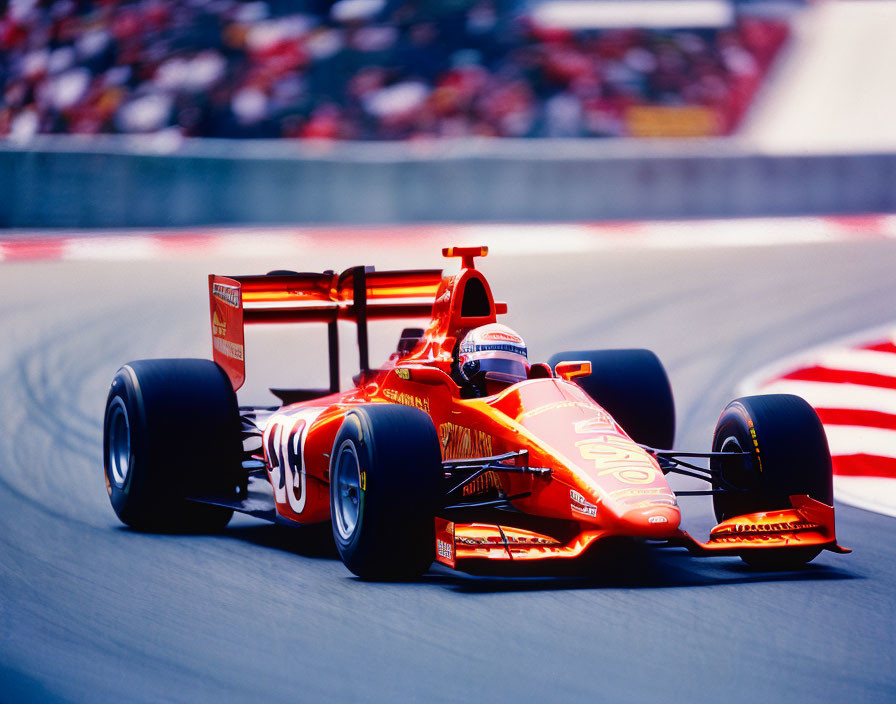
x=847, y=396
x=111, y=248
x=860, y=440
x=877, y=444
x=263, y=244
x=758, y=232
x=870, y=493
x=756, y=381
x=506, y=239
x=868, y=361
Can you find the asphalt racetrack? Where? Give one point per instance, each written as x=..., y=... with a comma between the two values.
x=91, y=611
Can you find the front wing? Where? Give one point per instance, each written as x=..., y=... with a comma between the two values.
x=808, y=523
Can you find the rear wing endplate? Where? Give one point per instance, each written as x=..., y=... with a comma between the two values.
x=358, y=294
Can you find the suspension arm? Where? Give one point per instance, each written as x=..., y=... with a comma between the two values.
x=670, y=461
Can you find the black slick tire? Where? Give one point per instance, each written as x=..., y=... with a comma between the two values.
x=788, y=456
x=171, y=431
x=632, y=386
x=385, y=478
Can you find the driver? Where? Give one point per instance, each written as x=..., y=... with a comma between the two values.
x=489, y=358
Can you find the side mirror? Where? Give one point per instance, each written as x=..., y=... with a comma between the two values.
x=570, y=370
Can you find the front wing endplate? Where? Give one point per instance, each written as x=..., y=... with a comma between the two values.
x=809, y=523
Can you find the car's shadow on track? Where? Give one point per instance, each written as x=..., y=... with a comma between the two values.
x=627, y=565
x=314, y=541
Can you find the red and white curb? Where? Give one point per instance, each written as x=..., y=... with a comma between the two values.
x=852, y=386
x=505, y=239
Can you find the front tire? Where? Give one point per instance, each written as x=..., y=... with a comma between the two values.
x=788, y=455
x=171, y=431
x=632, y=386
x=385, y=472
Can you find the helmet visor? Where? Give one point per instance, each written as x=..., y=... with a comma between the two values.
x=506, y=363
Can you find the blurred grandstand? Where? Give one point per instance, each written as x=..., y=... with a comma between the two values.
x=383, y=69
x=160, y=113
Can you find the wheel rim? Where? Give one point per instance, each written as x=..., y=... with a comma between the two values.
x=730, y=444
x=737, y=477
x=119, y=443
x=347, y=484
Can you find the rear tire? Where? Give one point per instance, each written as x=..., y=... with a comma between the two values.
x=632, y=386
x=385, y=477
x=171, y=430
x=789, y=455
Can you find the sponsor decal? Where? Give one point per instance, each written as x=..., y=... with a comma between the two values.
x=618, y=459
x=496, y=541
x=755, y=440
x=657, y=519
x=459, y=442
x=581, y=505
x=403, y=373
x=755, y=443
x=651, y=502
x=407, y=399
x=588, y=510
x=570, y=404
x=645, y=491
x=577, y=497
x=500, y=336
x=444, y=549
x=482, y=483
x=444, y=541
x=488, y=540
x=228, y=348
x=753, y=528
x=597, y=424
x=755, y=538
x=219, y=322
x=228, y=294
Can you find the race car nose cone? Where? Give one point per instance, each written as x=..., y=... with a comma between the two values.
x=656, y=521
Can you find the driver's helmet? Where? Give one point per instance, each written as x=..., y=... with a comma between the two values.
x=493, y=349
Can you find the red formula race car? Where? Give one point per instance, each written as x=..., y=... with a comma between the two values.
x=481, y=467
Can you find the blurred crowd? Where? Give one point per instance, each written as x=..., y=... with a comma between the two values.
x=356, y=69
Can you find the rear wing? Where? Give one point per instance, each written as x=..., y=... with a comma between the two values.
x=358, y=294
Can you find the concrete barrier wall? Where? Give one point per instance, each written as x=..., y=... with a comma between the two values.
x=119, y=182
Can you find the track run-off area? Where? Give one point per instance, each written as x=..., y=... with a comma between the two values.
x=92, y=611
